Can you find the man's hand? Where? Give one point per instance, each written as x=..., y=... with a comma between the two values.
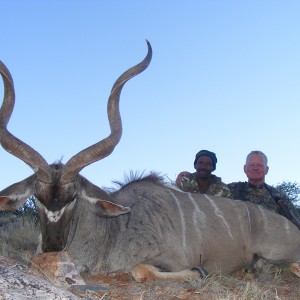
x=181, y=175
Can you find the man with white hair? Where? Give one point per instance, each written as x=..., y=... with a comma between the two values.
x=258, y=192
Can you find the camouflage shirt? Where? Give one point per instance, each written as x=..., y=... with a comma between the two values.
x=216, y=186
x=264, y=195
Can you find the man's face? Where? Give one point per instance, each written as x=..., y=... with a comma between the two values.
x=255, y=168
x=204, y=166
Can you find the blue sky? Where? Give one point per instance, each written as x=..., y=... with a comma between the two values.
x=225, y=76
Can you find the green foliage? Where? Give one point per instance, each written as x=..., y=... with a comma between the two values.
x=291, y=189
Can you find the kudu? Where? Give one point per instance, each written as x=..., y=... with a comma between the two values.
x=146, y=227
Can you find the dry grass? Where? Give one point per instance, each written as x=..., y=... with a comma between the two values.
x=231, y=287
x=272, y=283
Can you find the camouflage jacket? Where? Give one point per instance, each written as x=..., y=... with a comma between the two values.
x=267, y=196
x=216, y=186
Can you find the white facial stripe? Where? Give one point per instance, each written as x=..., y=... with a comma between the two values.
x=54, y=216
x=88, y=198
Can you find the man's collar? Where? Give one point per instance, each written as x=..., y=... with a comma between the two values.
x=256, y=186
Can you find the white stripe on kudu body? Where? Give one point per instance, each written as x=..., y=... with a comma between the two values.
x=219, y=213
x=182, y=221
x=199, y=216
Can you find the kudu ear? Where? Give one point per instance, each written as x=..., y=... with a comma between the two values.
x=14, y=196
x=11, y=203
x=94, y=197
x=107, y=209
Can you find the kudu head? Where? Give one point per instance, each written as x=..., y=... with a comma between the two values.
x=57, y=186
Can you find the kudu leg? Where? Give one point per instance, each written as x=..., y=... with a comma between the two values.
x=295, y=268
x=143, y=272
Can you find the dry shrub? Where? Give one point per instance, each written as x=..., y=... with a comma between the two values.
x=19, y=238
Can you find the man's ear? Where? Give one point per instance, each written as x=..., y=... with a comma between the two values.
x=245, y=169
x=267, y=170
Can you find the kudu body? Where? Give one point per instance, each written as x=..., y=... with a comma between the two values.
x=145, y=226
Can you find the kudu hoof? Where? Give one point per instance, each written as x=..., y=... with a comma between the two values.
x=203, y=273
